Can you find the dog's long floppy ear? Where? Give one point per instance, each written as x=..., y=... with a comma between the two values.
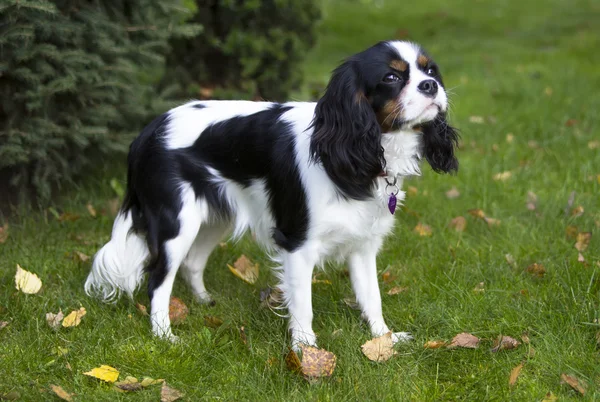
x=440, y=141
x=347, y=136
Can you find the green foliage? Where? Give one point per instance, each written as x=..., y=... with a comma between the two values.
x=76, y=79
x=248, y=49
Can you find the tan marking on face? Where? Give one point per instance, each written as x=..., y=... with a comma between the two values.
x=385, y=116
x=399, y=65
x=423, y=60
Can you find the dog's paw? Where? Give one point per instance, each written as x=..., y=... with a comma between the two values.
x=205, y=298
x=398, y=337
x=303, y=338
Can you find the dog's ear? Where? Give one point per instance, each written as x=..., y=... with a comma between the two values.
x=347, y=136
x=440, y=141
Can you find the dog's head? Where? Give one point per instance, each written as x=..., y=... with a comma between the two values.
x=390, y=87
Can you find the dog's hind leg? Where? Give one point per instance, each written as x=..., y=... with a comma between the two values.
x=194, y=264
x=171, y=251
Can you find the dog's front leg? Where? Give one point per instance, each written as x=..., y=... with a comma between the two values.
x=363, y=274
x=296, y=286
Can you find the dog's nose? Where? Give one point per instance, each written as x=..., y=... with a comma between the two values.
x=428, y=88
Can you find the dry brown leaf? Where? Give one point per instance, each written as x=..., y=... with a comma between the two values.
x=388, y=277
x=434, y=344
x=532, y=200
x=583, y=241
x=573, y=382
x=178, y=311
x=244, y=269
x=79, y=256
x=212, y=322
x=61, y=393
x=571, y=232
x=168, y=394
x=505, y=343
x=379, y=349
x=91, y=210
x=54, y=320
x=577, y=211
x=464, y=340
x=550, y=397
x=514, y=374
x=412, y=191
x=492, y=221
x=510, y=260
x=74, y=318
x=292, y=361
x=452, y=193
x=580, y=258
x=536, y=269
x=3, y=324
x=104, y=373
x=128, y=384
x=68, y=217
x=503, y=176
x=141, y=308
x=594, y=144
x=206, y=93
x=459, y=223
x=317, y=362
x=3, y=233
x=27, y=282
x=477, y=213
x=479, y=288
x=396, y=290
x=243, y=335
x=423, y=230
x=571, y=122
x=477, y=119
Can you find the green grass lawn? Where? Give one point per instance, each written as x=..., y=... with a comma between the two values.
x=528, y=69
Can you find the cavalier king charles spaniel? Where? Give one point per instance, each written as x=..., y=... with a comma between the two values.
x=313, y=182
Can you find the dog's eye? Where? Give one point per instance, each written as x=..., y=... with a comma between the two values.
x=391, y=78
x=431, y=71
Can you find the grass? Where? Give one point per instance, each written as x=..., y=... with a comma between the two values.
x=527, y=70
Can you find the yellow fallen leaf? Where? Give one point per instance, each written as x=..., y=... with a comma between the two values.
x=104, y=373
x=168, y=394
x=510, y=137
x=396, y=290
x=178, y=311
x=434, y=344
x=583, y=240
x=147, y=381
x=379, y=349
x=503, y=176
x=244, y=269
x=459, y=224
x=550, y=397
x=514, y=373
x=423, y=230
x=54, y=320
x=594, y=144
x=3, y=233
x=573, y=382
x=61, y=393
x=477, y=213
x=577, y=211
x=464, y=340
x=128, y=384
x=27, y=282
x=74, y=318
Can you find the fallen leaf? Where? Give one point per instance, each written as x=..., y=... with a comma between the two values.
x=54, y=320
x=533, y=144
x=61, y=393
x=434, y=344
x=388, y=277
x=452, y=193
x=212, y=322
x=491, y=221
x=580, y=258
x=583, y=241
x=168, y=394
x=147, y=381
x=530, y=352
x=292, y=361
x=3, y=324
x=571, y=122
x=464, y=340
x=531, y=201
x=510, y=260
x=548, y=91
x=510, y=137
x=573, y=382
x=243, y=335
x=514, y=373
x=317, y=362
x=525, y=338
x=423, y=230
x=141, y=308
x=68, y=217
x=206, y=93
x=577, y=211
x=91, y=210
x=477, y=119
x=244, y=269
x=505, y=343
x=479, y=288
x=74, y=318
x=79, y=256
x=477, y=213
x=571, y=232
x=412, y=191
x=550, y=397
x=10, y=396
x=397, y=289
x=3, y=233
x=128, y=384
x=594, y=144
x=503, y=176
x=178, y=311
x=27, y=282
x=379, y=349
x=459, y=223
x=104, y=373
x=536, y=269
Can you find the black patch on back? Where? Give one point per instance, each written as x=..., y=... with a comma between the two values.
x=198, y=106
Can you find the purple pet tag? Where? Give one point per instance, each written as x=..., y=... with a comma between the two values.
x=392, y=201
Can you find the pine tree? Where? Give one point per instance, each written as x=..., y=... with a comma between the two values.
x=76, y=78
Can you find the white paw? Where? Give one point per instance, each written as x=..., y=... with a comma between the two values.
x=401, y=337
x=205, y=298
x=303, y=338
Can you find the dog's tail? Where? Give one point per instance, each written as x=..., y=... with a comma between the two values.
x=119, y=266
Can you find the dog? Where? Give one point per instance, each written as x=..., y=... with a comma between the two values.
x=313, y=182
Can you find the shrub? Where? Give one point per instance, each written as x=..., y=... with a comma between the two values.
x=248, y=49
x=75, y=79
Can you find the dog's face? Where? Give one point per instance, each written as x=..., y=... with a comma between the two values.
x=389, y=87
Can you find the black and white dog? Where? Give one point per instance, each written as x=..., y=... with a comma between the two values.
x=312, y=181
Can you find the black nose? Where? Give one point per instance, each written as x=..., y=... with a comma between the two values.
x=428, y=87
